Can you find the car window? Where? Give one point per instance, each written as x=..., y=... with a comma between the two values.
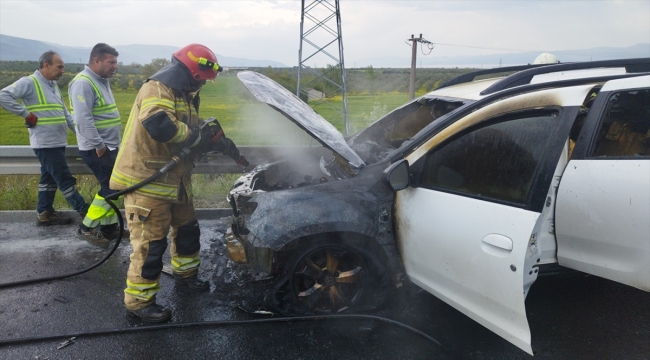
x=388, y=134
x=407, y=126
x=625, y=128
x=497, y=161
x=579, y=122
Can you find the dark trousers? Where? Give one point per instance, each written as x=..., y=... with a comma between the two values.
x=102, y=167
x=55, y=174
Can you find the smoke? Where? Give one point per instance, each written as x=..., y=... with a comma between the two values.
x=266, y=126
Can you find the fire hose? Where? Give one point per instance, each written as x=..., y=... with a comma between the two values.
x=176, y=159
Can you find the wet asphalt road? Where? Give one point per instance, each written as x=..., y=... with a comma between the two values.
x=571, y=317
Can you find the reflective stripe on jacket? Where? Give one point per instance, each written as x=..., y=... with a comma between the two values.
x=141, y=156
x=101, y=107
x=47, y=113
x=94, y=111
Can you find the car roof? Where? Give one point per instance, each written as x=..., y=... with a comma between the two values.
x=569, y=71
x=471, y=90
x=466, y=87
x=475, y=90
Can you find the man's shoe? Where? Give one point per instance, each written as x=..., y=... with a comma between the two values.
x=93, y=236
x=47, y=218
x=153, y=313
x=193, y=282
x=112, y=235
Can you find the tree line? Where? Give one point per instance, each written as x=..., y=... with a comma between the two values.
x=359, y=81
x=128, y=76
x=368, y=80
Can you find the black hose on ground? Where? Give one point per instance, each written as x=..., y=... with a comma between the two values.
x=174, y=160
x=219, y=323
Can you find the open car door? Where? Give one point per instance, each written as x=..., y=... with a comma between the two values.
x=603, y=207
x=467, y=227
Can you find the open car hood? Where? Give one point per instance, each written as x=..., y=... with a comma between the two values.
x=279, y=98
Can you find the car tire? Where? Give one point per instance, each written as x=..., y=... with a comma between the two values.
x=332, y=276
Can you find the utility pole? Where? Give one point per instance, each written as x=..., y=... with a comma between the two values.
x=414, y=48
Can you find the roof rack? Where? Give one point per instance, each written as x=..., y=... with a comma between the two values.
x=524, y=77
x=469, y=77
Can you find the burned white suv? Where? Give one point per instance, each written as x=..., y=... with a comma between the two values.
x=465, y=192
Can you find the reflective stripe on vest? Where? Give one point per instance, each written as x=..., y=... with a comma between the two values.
x=43, y=106
x=101, y=108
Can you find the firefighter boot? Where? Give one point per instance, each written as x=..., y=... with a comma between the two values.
x=153, y=313
x=193, y=282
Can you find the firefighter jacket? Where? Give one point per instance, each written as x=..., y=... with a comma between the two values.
x=158, y=127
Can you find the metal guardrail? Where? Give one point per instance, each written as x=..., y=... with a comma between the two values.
x=21, y=160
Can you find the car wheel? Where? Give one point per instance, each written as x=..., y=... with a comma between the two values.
x=334, y=277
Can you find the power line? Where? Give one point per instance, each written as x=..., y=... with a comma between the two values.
x=539, y=51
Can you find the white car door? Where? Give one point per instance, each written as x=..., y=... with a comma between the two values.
x=603, y=207
x=466, y=228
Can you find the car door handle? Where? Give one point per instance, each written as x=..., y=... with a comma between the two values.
x=499, y=241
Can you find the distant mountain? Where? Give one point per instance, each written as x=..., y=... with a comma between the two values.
x=592, y=54
x=15, y=48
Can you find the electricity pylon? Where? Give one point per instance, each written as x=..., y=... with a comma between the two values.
x=322, y=33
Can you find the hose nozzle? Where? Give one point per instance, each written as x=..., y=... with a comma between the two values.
x=176, y=158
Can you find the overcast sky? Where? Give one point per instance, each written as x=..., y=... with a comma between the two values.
x=378, y=28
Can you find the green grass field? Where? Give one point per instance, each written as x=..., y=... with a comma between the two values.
x=243, y=119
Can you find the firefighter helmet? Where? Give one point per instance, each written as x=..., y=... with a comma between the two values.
x=200, y=60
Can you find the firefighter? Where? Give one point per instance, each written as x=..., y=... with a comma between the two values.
x=164, y=119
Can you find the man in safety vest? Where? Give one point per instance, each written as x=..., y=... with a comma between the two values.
x=47, y=121
x=98, y=136
x=164, y=119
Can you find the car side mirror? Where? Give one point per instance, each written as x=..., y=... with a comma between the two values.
x=397, y=175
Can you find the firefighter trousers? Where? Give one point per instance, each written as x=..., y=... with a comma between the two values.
x=149, y=221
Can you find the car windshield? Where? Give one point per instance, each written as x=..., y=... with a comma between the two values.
x=388, y=133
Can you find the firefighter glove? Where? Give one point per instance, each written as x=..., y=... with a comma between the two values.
x=197, y=143
x=242, y=161
x=30, y=120
x=206, y=139
x=194, y=138
x=227, y=147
